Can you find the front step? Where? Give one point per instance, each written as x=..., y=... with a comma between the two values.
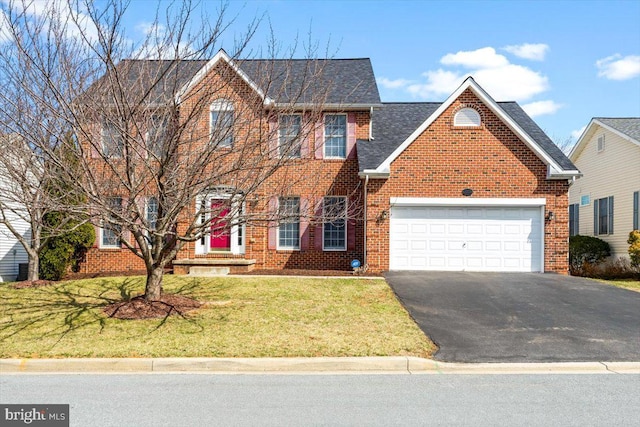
x=212, y=266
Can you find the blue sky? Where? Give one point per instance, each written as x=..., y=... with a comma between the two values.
x=564, y=62
x=582, y=58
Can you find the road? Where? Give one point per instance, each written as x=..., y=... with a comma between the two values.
x=343, y=400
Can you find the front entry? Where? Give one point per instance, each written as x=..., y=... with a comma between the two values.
x=220, y=238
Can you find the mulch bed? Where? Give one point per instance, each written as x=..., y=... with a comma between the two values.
x=140, y=308
x=32, y=284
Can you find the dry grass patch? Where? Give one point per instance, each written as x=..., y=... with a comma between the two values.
x=239, y=317
x=632, y=285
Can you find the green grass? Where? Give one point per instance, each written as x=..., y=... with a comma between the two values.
x=241, y=317
x=633, y=285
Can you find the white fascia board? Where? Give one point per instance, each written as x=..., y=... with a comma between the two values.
x=374, y=174
x=466, y=201
x=469, y=83
x=221, y=55
x=579, y=145
x=565, y=174
x=617, y=132
x=325, y=107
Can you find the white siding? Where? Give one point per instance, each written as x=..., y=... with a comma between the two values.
x=12, y=252
x=615, y=171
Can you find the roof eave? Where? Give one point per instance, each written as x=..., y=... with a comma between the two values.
x=374, y=174
x=325, y=106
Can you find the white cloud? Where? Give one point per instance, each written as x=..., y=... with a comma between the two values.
x=578, y=132
x=4, y=33
x=485, y=57
x=616, y=67
x=540, y=108
x=534, y=52
x=439, y=82
x=393, y=84
x=504, y=81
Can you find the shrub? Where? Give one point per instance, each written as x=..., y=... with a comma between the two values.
x=65, y=251
x=611, y=269
x=634, y=249
x=587, y=249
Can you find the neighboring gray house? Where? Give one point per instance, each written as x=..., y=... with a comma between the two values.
x=605, y=201
x=12, y=253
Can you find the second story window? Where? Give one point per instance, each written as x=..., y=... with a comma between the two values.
x=289, y=143
x=156, y=135
x=221, y=123
x=335, y=136
x=112, y=140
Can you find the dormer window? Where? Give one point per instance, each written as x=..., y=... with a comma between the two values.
x=467, y=117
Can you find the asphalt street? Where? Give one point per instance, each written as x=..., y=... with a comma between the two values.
x=521, y=317
x=336, y=400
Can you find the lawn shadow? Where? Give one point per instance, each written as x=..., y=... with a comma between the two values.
x=62, y=308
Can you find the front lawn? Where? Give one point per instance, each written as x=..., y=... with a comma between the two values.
x=633, y=285
x=240, y=317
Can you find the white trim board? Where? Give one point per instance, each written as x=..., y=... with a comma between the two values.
x=443, y=201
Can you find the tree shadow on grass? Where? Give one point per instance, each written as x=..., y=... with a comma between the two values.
x=67, y=307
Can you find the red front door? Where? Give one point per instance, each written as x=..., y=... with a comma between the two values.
x=220, y=239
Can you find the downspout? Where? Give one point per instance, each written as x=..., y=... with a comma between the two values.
x=364, y=253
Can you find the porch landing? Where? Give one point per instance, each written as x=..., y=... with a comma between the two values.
x=212, y=266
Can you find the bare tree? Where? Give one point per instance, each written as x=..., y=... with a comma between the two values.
x=157, y=135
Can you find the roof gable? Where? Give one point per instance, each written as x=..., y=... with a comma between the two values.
x=558, y=165
x=221, y=56
x=345, y=83
x=627, y=128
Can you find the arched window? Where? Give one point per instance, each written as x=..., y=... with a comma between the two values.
x=221, y=122
x=467, y=117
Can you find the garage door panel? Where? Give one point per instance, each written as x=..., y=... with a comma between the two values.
x=466, y=238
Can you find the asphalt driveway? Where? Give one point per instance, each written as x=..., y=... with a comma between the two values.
x=521, y=317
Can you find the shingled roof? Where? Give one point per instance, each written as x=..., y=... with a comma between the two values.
x=395, y=122
x=339, y=82
x=629, y=126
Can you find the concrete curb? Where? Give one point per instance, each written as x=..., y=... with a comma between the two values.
x=397, y=365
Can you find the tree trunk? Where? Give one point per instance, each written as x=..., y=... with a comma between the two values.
x=153, y=289
x=33, y=272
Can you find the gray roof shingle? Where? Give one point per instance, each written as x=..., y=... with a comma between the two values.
x=321, y=81
x=628, y=125
x=395, y=122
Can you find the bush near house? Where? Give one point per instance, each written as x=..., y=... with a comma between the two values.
x=586, y=250
x=634, y=249
x=66, y=250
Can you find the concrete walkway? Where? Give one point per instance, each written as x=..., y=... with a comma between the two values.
x=325, y=365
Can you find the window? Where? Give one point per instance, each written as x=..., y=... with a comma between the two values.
x=152, y=215
x=601, y=143
x=334, y=214
x=467, y=117
x=574, y=219
x=289, y=135
x=335, y=136
x=289, y=226
x=110, y=236
x=221, y=123
x=603, y=216
x=112, y=141
x=636, y=210
x=156, y=134
x=585, y=200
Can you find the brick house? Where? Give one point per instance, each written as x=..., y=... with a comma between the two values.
x=465, y=184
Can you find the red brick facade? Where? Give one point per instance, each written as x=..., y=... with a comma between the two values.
x=443, y=160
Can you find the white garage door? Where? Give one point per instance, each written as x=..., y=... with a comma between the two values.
x=459, y=238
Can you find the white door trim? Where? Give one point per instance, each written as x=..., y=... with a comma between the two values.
x=464, y=201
